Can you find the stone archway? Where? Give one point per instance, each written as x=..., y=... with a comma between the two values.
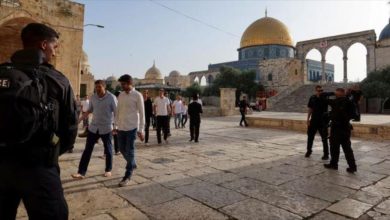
x=10, y=40
x=367, y=38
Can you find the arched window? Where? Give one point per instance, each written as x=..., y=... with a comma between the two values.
x=277, y=52
x=266, y=52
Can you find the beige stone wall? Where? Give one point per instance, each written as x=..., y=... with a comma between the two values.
x=178, y=81
x=64, y=16
x=285, y=73
x=382, y=54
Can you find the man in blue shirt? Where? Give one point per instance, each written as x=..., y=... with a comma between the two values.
x=103, y=106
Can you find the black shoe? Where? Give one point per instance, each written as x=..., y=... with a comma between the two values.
x=308, y=154
x=196, y=141
x=325, y=157
x=330, y=166
x=351, y=170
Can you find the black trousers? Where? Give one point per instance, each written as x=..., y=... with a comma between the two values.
x=162, y=124
x=341, y=136
x=311, y=132
x=147, y=125
x=39, y=187
x=184, y=120
x=116, y=146
x=243, y=118
x=194, y=129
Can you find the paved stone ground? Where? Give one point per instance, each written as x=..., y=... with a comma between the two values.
x=233, y=173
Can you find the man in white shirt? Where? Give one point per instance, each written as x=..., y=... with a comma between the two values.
x=162, y=109
x=130, y=122
x=178, y=111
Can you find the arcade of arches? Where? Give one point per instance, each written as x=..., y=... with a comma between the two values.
x=65, y=16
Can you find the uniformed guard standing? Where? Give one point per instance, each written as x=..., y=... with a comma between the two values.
x=29, y=152
x=340, y=132
x=317, y=121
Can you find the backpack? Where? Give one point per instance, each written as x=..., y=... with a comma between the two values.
x=24, y=109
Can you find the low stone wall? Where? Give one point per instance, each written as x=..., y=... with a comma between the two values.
x=374, y=132
x=211, y=101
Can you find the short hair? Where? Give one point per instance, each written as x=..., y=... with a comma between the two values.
x=100, y=82
x=125, y=78
x=34, y=33
x=318, y=87
x=195, y=97
x=340, y=90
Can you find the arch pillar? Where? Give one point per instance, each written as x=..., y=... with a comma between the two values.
x=370, y=58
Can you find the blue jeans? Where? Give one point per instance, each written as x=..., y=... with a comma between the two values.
x=92, y=138
x=178, y=120
x=126, y=141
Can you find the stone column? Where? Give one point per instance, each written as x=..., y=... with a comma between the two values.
x=228, y=101
x=345, y=59
x=370, y=59
x=323, y=61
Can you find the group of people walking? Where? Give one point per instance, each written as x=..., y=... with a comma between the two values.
x=128, y=115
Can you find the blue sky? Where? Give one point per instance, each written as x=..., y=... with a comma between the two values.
x=139, y=31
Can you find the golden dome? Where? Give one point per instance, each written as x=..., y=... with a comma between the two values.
x=266, y=31
x=153, y=73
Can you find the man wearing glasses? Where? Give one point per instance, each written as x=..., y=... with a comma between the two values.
x=317, y=121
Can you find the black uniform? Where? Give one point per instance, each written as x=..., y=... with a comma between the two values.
x=243, y=106
x=31, y=172
x=194, y=111
x=340, y=133
x=148, y=115
x=318, y=122
x=355, y=97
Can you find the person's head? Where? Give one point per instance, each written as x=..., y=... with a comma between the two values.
x=184, y=102
x=126, y=82
x=86, y=97
x=40, y=36
x=146, y=94
x=340, y=92
x=195, y=97
x=161, y=92
x=319, y=90
x=178, y=97
x=77, y=97
x=244, y=97
x=166, y=94
x=100, y=87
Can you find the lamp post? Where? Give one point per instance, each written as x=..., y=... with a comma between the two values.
x=95, y=25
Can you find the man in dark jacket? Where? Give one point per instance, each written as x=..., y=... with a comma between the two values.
x=148, y=105
x=340, y=131
x=243, y=110
x=194, y=111
x=316, y=121
x=31, y=172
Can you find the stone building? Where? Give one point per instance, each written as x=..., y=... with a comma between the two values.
x=177, y=80
x=65, y=16
x=87, y=79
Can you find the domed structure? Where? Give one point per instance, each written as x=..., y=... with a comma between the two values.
x=153, y=73
x=174, y=73
x=266, y=38
x=111, y=79
x=385, y=33
x=266, y=31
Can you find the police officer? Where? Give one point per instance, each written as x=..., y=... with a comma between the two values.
x=194, y=111
x=31, y=172
x=243, y=110
x=340, y=132
x=316, y=121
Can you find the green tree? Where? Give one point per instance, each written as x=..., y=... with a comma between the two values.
x=377, y=84
x=192, y=90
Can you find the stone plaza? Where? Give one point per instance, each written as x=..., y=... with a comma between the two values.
x=233, y=173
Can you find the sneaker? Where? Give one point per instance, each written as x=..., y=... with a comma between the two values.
x=331, y=167
x=124, y=182
x=78, y=176
x=308, y=154
x=117, y=153
x=103, y=157
x=325, y=158
x=107, y=174
x=351, y=170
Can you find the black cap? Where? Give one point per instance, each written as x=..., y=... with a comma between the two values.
x=125, y=78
